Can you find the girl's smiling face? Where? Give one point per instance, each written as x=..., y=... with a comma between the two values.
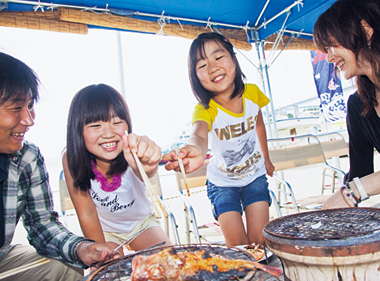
x=216, y=71
x=104, y=139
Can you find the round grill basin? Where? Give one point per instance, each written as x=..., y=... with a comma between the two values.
x=336, y=244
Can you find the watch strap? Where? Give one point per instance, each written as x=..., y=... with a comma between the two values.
x=359, y=186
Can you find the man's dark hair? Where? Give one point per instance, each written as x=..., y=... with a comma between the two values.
x=17, y=80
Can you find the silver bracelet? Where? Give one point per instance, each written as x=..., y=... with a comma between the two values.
x=360, y=188
x=76, y=247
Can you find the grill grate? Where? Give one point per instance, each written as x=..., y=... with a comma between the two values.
x=121, y=269
x=326, y=224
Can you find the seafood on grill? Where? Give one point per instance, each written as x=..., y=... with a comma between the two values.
x=256, y=250
x=170, y=264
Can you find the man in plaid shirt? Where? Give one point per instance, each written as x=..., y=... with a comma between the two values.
x=26, y=193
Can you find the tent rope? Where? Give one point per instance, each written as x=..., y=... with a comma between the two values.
x=180, y=24
x=279, y=37
x=209, y=24
x=162, y=23
x=283, y=48
x=39, y=6
x=257, y=68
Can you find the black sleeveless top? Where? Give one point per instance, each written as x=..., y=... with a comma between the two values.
x=364, y=137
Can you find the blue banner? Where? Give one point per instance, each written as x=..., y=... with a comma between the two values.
x=329, y=88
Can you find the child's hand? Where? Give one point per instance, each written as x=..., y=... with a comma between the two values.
x=192, y=159
x=269, y=167
x=146, y=150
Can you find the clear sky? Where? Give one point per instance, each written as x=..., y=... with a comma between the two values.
x=156, y=82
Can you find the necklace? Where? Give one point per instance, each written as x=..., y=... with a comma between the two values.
x=104, y=184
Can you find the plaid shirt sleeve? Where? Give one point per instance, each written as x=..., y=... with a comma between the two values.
x=45, y=232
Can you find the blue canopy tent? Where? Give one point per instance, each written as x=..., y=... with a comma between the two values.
x=265, y=24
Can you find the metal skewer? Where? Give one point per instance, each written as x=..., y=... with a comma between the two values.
x=126, y=242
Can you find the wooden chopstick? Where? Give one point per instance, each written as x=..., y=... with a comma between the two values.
x=150, y=194
x=182, y=170
x=149, y=187
x=23, y=268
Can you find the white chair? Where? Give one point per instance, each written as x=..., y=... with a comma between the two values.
x=203, y=226
x=334, y=146
x=170, y=220
x=66, y=203
x=197, y=184
x=209, y=230
x=293, y=152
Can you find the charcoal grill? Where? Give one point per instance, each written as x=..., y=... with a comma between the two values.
x=335, y=244
x=121, y=269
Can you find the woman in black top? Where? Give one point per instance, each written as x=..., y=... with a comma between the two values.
x=349, y=32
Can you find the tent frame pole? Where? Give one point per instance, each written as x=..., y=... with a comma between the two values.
x=263, y=69
x=121, y=64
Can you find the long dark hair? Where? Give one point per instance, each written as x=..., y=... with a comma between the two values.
x=17, y=80
x=91, y=104
x=197, y=48
x=342, y=22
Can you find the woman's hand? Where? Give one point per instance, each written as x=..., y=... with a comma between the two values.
x=146, y=150
x=192, y=159
x=336, y=200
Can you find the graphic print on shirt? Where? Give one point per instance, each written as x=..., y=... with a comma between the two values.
x=236, y=130
x=232, y=157
x=111, y=202
x=245, y=169
x=235, y=167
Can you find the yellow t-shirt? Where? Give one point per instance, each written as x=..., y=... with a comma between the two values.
x=237, y=159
